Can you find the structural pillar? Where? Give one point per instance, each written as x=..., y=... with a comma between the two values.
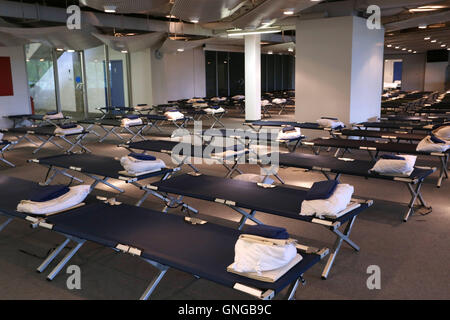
x=252, y=77
x=339, y=69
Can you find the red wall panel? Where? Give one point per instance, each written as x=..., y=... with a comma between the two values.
x=6, y=84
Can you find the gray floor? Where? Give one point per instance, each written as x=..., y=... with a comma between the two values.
x=414, y=257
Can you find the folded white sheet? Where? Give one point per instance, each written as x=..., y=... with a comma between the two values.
x=217, y=99
x=194, y=100
x=289, y=135
x=396, y=167
x=214, y=111
x=256, y=256
x=61, y=131
x=328, y=123
x=125, y=122
x=238, y=97
x=278, y=101
x=443, y=132
x=265, y=103
x=174, y=115
x=134, y=166
x=200, y=105
x=55, y=116
x=256, y=178
x=75, y=196
x=426, y=145
x=331, y=206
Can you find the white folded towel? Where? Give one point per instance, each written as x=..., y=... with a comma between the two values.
x=218, y=99
x=265, y=103
x=329, y=123
x=61, y=131
x=125, y=122
x=279, y=101
x=238, y=97
x=396, y=167
x=214, y=111
x=75, y=196
x=443, y=132
x=200, y=105
x=256, y=256
x=55, y=116
x=426, y=145
x=134, y=166
x=174, y=115
x=289, y=134
x=331, y=207
x=256, y=178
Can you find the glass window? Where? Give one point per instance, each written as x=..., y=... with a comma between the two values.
x=263, y=73
x=237, y=73
x=41, y=79
x=95, y=78
x=278, y=71
x=270, y=73
x=210, y=67
x=118, y=78
x=222, y=73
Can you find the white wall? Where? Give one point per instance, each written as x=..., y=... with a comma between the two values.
x=141, y=77
x=367, y=72
x=19, y=103
x=435, y=76
x=339, y=68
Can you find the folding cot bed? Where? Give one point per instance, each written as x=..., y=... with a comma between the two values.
x=258, y=125
x=338, y=166
x=37, y=119
x=419, y=119
x=113, y=112
x=111, y=126
x=102, y=169
x=216, y=117
x=280, y=200
x=183, y=152
x=394, y=125
x=380, y=146
x=396, y=136
x=154, y=120
x=46, y=134
x=252, y=138
x=144, y=234
x=4, y=146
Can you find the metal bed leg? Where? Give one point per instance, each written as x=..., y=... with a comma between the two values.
x=245, y=215
x=66, y=259
x=293, y=288
x=162, y=271
x=337, y=246
x=2, y=158
x=52, y=256
x=415, y=195
x=4, y=224
x=443, y=171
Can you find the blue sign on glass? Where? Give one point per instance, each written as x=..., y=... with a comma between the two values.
x=78, y=79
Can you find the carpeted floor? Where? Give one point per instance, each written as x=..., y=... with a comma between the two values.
x=414, y=257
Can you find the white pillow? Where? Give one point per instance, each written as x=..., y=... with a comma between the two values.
x=289, y=135
x=338, y=201
x=328, y=123
x=250, y=256
x=174, y=115
x=426, y=145
x=400, y=167
x=134, y=166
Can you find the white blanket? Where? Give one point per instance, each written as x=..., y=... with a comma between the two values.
x=200, y=105
x=174, y=115
x=125, y=122
x=426, y=145
x=256, y=178
x=443, y=132
x=217, y=99
x=396, y=167
x=331, y=206
x=289, y=134
x=134, y=166
x=256, y=256
x=214, y=111
x=265, y=103
x=61, y=131
x=74, y=197
x=328, y=123
x=55, y=116
x=238, y=97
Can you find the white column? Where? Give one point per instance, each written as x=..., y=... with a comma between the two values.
x=252, y=77
x=339, y=69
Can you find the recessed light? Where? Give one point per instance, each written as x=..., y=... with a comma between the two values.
x=131, y=34
x=59, y=49
x=389, y=45
x=180, y=49
x=124, y=51
x=270, y=52
x=41, y=60
x=194, y=20
x=397, y=47
x=288, y=12
x=433, y=41
x=422, y=26
x=109, y=9
x=427, y=38
x=70, y=50
x=404, y=49
x=170, y=16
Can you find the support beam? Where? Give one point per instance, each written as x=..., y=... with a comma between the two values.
x=252, y=77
